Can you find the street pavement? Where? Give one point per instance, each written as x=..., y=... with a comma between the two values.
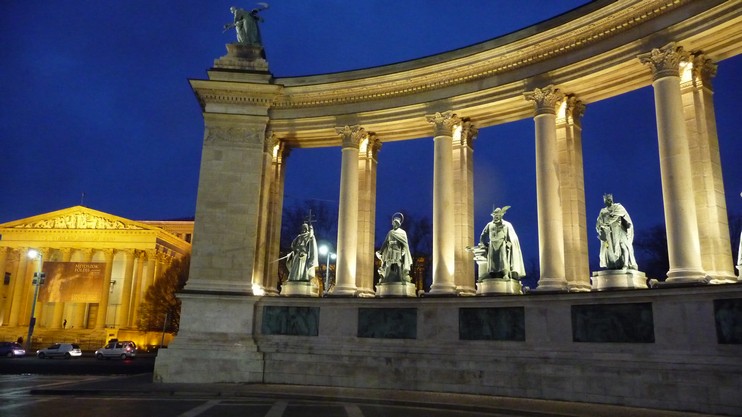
x=136, y=395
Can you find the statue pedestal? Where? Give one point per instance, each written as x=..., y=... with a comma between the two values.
x=243, y=57
x=396, y=289
x=299, y=289
x=498, y=286
x=614, y=279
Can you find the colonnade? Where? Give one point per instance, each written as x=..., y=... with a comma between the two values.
x=127, y=283
x=692, y=186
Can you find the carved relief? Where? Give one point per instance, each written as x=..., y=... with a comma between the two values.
x=79, y=220
x=443, y=122
x=665, y=61
x=703, y=70
x=468, y=132
x=547, y=99
x=234, y=135
x=351, y=135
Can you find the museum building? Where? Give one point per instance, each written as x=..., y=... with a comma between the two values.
x=97, y=268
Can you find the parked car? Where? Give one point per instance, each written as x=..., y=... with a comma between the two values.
x=60, y=350
x=125, y=349
x=11, y=349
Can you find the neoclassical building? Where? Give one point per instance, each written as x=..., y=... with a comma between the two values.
x=674, y=346
x=97, y=265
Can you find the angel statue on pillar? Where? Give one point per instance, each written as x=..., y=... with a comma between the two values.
x=394, y=254
x=504, y=256
x=302, y=259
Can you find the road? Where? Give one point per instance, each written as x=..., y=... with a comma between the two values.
x=86, y=365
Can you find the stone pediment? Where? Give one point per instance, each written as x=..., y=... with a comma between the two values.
x=77, y=217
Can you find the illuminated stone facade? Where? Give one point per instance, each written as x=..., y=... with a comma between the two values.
x=97, y=265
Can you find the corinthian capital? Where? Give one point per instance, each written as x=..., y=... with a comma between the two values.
x=703, y=69
x=665, y=61
x=351, y=135
x=443, y=122
x=547, y=99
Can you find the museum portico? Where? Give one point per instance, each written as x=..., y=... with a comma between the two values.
x=98, y=267
x=549, y=73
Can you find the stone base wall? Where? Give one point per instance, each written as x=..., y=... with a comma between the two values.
x=677, y=348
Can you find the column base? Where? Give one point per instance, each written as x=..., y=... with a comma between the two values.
x=614, y=279
x=396, y=289
x=299, y=289
x=445, y=290
x=463, y=291
x=490, y=286
x=343, y=292
x=551, y=285
x=578, y=287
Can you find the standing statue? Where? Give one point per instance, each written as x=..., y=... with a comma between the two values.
x=246, y=24
x=394, y=254
x=616, y=234
x=302, y=259
x=504, y=257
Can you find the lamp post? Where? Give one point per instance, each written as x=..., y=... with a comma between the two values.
x=325, y=250
x=38, y=279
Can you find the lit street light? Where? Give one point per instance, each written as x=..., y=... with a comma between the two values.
x=38, y=279
x=325, y=250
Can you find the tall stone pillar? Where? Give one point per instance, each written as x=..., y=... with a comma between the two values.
x=463, y=186
x=708, y=182
x=367, y=162
x=18, y=280
x=8, y=297
x=675, y=166
x=138, y=285
x=572, y=192
x=444, y=235
x=100, y=320
x=58, y=313
x=122, y=314
x=347, y=250
x=550, y=221
x=149, y=276
x=270, y=218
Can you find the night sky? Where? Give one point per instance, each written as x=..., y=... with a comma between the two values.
x=94, y=99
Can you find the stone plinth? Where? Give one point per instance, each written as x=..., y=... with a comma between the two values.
x=498, y=286
x=299, y=289
x=618, y=279
x=243, y=57
x=395, y=289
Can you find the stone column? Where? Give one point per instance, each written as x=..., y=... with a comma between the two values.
x=17, y=282
x=230, y=185
x=463, y=186
x=138, y=285
x=58, y=314
x=572, y=192
x=367, y=162
x=347, y=250
x=77, y=320
x=149, y=277
x=274, y=208
x=122, y=314
x=443, y=204
x=259, y=275
x=675, y=166
x=100, y=320
x=8, y=297
x=550, y=232
x=708, y=181
x=34, y=266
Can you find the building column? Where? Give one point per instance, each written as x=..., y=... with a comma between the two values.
x=79, y=309
x=347, y=250
x=17, y=283
x=100, y=320
x=149, y=277
x=259, y=272
x=137, y=285
x=367, y=162
x=122, y=314
x=572, y=193
x=708, y=182
x=550, y=232
x=443, y=204
x=675, y=166
x=58, y=314
x=463, y=186
x=3, y=264
x=276, y=170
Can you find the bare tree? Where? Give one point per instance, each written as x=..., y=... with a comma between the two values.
x=160, y=303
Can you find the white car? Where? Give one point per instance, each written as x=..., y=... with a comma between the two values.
x=117, y=349
x=60, y=350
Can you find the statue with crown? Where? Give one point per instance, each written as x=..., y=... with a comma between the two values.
x=396, y=261
x=499, y=257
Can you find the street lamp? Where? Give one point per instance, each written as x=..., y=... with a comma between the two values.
x=38, y=279
x=325, y=250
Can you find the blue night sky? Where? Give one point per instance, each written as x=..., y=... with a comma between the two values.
x=95, y=99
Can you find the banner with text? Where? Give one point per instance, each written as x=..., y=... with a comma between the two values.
x=72, y=282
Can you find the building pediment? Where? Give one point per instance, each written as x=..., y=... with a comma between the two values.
x=77, y=217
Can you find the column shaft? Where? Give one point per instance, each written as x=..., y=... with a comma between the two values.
x=463, y=177
x=18, y=282
x=367, y=163
x=122, y=315
x=278, y=179
x=100, y=320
